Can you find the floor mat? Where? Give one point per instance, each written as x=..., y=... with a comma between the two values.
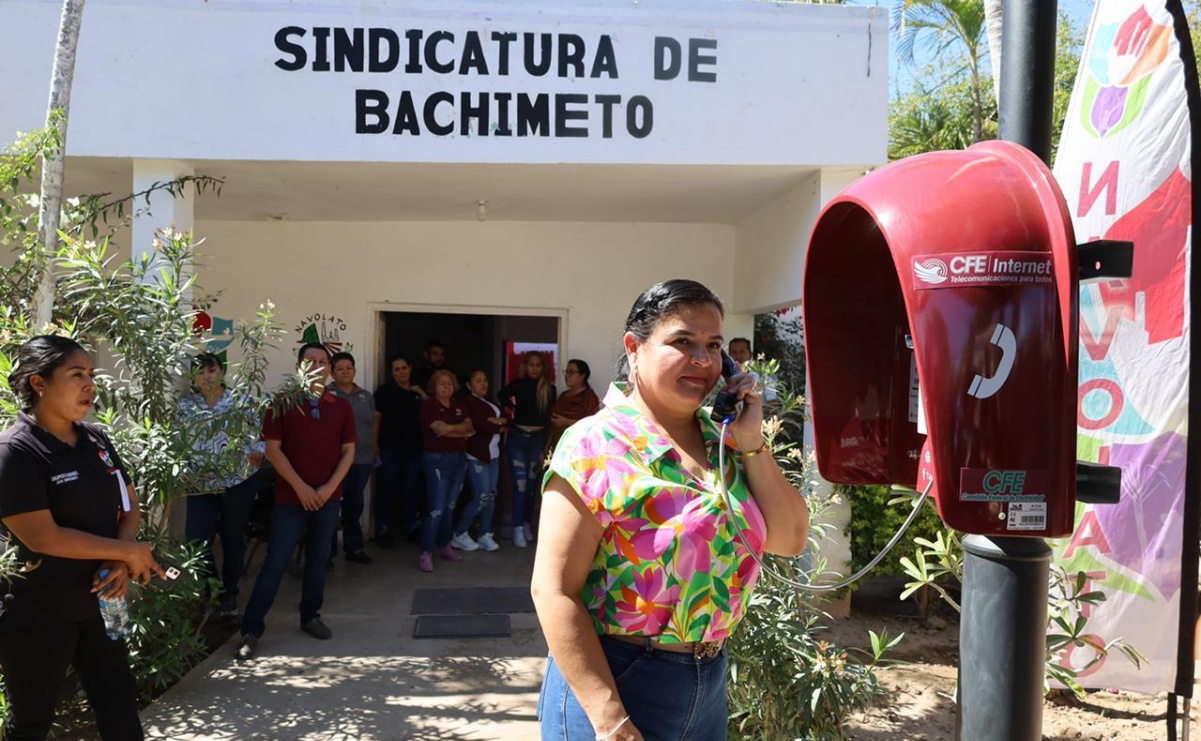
x=471, y=601
x=461, y=626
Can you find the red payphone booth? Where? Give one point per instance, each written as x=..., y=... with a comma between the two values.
x=941, y=334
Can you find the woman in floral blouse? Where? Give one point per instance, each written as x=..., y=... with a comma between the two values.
x=640, y=577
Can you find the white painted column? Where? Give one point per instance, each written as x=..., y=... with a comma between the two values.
x=836, y=546
x=164, y=209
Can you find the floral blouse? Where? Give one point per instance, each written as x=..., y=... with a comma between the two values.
x=669, y=563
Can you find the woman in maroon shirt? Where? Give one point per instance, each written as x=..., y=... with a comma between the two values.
x=483, y=464
x=445, y=428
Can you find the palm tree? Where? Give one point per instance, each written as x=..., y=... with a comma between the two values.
x=943, y=25
x=53, y=162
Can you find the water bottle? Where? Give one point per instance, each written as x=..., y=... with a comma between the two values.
x=115, y=614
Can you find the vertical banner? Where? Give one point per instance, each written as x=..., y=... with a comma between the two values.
x=1125, y=166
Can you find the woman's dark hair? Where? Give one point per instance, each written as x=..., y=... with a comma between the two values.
x=471, y=375
x=399, y=356
x=39, y=356
x=340, y=356
x=203, y=362
x=659, y=302
x=311, y=346
x=585, y=371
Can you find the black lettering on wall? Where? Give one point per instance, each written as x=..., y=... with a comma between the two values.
x=503, y=41
x=563, y=115
x=479, y=112
x=696, y=59
x=606, y=60
x=431, y=52
x=571, y=54
x=321, y=55
x=473, y=55
x=542, y=66
x=370, y=111
x=502, y=113
x=431, y=106
x=383, y=50
x=667, y=58
x=285, y=45
x=640, y=107
x=533, y=116
x=348, y=50
x=413, y=39
x=406, y=116
x=607, y=102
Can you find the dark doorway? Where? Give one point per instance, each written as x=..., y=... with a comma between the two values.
x=471, y=340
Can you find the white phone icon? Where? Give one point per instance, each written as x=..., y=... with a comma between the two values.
x=985, y=386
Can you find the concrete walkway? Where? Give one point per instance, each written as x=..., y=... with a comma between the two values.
x=373, y=680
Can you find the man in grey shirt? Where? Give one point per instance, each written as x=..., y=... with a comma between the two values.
x=366, y=452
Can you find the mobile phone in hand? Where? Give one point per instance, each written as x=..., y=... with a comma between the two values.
x=171, y=572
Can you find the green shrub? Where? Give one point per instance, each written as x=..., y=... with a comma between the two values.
x=137, y=315
x=876, y=515
x=786, y=682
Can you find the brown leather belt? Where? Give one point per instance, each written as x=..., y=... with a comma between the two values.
x=698, y=649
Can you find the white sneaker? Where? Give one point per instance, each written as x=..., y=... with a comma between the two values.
x=529, y=532
x=464, y=543
x=519, y=537
x=487, y=543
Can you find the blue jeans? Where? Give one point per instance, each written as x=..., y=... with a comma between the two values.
x=289, y=523
x=525, y=458
x=668, y=696
x=444, y=474
x=352, y=509
x=482, y=477
x=398, y=480
x=225, y=515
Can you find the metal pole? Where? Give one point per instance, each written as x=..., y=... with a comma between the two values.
x=1002, y=635
x=1002, y=639
x=1028, y=74
x=1188, y=720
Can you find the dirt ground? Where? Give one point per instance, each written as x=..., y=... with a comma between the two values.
x=920, y=703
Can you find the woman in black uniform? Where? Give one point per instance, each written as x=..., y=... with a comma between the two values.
x=71, y=511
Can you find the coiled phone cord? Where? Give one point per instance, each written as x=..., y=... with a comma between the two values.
x=721, y=469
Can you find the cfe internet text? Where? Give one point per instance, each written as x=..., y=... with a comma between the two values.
x=490, y=113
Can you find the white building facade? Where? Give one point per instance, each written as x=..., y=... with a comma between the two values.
x=531, y=166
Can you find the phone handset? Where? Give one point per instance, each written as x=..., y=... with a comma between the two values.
x=985, y=386
x=725, y=405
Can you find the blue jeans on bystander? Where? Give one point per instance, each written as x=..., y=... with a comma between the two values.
x=223, y=515
x=483, y=478
x=525, y=458
x=398, y=483
x=289, y=523
x=444, y=474
x=352, y=509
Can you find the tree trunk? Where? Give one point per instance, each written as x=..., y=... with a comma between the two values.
x=53, y=163
x=992, y=12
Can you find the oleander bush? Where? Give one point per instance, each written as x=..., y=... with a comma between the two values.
x=786, y=681
x=137, y=317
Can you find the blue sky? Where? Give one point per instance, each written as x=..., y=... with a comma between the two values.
x=901, y=75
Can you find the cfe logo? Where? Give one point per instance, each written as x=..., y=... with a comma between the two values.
x=1004, y=482
x=931, y=270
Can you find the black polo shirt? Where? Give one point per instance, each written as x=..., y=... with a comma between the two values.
x=400, y=417
x=79, y=486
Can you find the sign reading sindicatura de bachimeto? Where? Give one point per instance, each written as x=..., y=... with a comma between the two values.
x=399, y=57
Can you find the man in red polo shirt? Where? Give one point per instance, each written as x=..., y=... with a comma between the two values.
x=311, y=447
